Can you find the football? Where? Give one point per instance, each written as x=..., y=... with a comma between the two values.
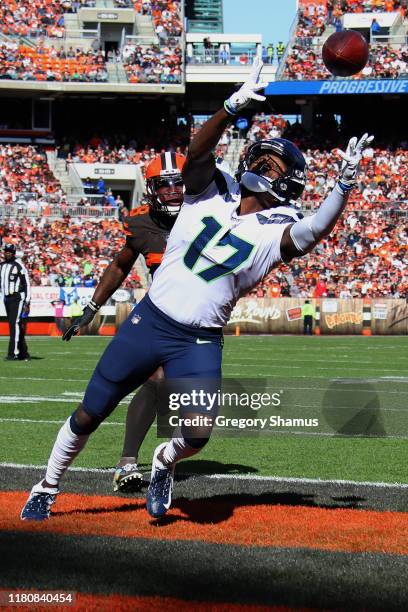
x=345, y=53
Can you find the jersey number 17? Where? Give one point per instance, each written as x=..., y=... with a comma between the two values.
x=243, y=249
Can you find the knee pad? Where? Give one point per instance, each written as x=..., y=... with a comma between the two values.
x=83, y=430
x=196, y=442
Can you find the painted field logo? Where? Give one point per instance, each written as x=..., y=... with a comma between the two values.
x=344, y=317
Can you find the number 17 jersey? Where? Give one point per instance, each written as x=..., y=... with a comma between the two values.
x=214, y=255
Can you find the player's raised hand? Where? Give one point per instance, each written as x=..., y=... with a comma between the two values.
x=247, y=92
x=86, y=319
x=352, y=158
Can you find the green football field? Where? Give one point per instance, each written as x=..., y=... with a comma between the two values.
x=37, y=396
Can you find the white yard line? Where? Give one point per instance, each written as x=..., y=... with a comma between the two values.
x=10, y=420
x=21, y=466
x=277, y=479
x=284, y=479
x=44, y=379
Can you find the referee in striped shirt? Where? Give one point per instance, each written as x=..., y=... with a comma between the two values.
x=15, y=288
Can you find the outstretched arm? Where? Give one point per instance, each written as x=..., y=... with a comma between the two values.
x=111, y=280
x=115, y=274
x=302, y=237
x=198, y=171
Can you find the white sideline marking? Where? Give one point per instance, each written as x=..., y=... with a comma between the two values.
x=85, y=380
x=281, y=479
x=22, y=466
x=276, y=433
x=10, y=420
x=32, y=399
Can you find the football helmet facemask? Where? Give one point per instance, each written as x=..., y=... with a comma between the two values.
x=289, y=186
x=164, y=183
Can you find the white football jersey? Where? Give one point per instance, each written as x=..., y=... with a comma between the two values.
x=214, y=256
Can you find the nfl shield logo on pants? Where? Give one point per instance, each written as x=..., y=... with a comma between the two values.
x=135, y=319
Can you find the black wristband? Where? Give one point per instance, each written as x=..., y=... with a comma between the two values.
x=94, y=306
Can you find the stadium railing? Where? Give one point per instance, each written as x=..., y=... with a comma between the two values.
x=18, y=211
x=288, y=48
x=149, y=41
x=387, y=209
x=396, y=39
x=212, y=56
x=92, y=199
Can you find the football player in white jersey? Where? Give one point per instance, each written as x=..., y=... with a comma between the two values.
x=230, y=233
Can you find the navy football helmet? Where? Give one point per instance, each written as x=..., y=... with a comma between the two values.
x=286, y=188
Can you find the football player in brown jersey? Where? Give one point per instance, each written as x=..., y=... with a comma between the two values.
x=146, y=229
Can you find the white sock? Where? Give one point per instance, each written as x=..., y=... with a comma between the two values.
x=176, y=450
x=67, y=446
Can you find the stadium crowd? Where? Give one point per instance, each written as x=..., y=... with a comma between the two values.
x=24, y=170
x=363, y=257
x=34, y=18
x=66, y=252
x=337, y=8
x=153, y=63
x=166, y=15
x=304, y=60
x=384, y=62
x=366, y=255
x=156, y=63
x=20, y=62
x=385, y=170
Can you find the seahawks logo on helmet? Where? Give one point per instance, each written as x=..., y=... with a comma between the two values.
x=286, y=188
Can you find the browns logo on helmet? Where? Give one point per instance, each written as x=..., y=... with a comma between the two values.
x=164, y=183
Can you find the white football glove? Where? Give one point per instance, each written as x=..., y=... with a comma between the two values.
x=241, y=98
x=351, y=160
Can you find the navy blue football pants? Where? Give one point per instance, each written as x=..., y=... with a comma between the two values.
x=146, y=340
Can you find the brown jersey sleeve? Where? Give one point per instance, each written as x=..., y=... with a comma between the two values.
x=146, y=236
x=134, y=230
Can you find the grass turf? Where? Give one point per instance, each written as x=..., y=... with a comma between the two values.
x=48, y=389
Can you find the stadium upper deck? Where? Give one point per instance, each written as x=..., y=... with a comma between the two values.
x=382, y=22
x=140, y=46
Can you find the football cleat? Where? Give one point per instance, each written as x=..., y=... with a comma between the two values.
x=38, y=505
x=158, y=499
x=128, y=478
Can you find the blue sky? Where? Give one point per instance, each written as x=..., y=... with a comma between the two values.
x=271, y=18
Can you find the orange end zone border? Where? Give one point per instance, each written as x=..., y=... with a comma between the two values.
x=127, y=603
x=215, y=522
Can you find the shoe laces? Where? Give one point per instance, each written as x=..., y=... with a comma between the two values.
x=162, y=480
x=41, y=501
x=129, y=467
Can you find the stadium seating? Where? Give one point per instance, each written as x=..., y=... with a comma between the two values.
x=162, y=62
x=159, y=62
x=385, y=171
x=42, y=63
x=385, y=62
x=24, y=173
x=304, y=61
x=367, y=6
x=153, y=64
x=366, y=255
x=363, y=257
x=67, y=252
x=34, y=18
x=166, y=14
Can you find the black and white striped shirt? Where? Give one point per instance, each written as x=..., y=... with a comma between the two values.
x=14, y=279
